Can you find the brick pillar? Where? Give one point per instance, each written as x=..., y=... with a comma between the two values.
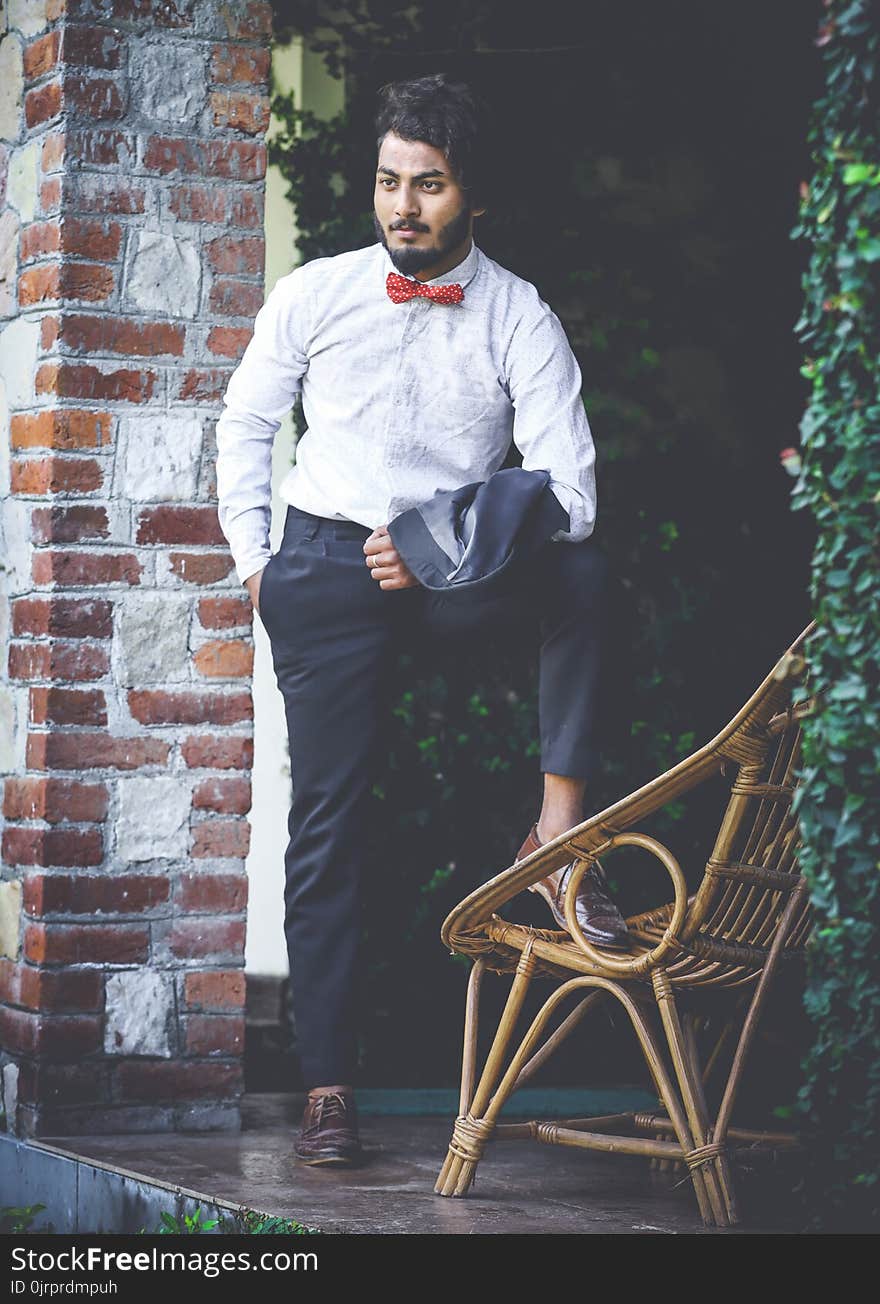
x=131, y=266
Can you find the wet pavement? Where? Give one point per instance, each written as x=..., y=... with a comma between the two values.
x=521, y=1185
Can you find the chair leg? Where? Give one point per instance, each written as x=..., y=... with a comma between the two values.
x=472, y=1131
x=722, y=1164
x=469, y=1053
x=708, y=1163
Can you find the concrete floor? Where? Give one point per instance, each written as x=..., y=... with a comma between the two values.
x=521, y=1186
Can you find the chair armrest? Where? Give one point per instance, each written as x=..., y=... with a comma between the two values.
x=632, y=965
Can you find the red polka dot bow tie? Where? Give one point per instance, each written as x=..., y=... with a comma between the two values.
x=400, y=288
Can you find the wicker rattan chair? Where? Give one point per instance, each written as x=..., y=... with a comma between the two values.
x=701, y=950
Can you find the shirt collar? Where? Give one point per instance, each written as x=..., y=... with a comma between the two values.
x=458, y=275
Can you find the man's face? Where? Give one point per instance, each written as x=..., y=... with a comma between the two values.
x=421, y=214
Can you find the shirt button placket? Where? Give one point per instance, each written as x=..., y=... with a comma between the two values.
x=396, y=442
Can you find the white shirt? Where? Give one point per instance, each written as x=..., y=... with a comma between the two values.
x=399, y=399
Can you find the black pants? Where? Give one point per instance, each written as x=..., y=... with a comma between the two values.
x=334, y=634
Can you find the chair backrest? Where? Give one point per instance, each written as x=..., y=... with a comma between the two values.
x=752, y=870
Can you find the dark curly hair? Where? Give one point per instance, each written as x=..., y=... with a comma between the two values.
x=451, y=116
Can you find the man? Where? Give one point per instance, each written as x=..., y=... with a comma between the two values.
x=418, y=359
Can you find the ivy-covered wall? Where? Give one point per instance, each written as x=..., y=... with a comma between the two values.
x=838, y=487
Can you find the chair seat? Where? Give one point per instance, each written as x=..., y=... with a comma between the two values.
x=500, y=943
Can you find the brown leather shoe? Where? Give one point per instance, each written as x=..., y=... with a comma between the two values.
x=600, y=920
x=329, y=1133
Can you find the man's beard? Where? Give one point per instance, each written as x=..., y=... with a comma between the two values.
x=409, y=261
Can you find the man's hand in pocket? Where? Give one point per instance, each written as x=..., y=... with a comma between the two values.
x=252, y=584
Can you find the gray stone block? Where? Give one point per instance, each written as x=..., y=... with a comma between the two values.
x=140, y=1012
x=153, y=818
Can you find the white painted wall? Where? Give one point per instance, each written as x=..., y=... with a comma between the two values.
x=293, y=67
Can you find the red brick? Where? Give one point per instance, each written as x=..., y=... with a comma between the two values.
x=29, y=661
x=53, y=150
x=195, y=525
x=233, y=298
x=116, y=943
x=90, y=237
x=176, y=1080
x=67, y=1036
x=54, y=1036
x=238, y=160
x=198, y=203
x=50, y=196
x=225, y=613
x=61, y=428
x=65, y=617
x=61, y=660
x=40, y=284
x=100, y=194
x=213, y=838
x=79, y=380
x=97, y=98
x=226, y=796
x=213, y=1034
x=218, y=752
x=240, y=111
x=57, y=705
x=92, y=281
x=93, y=47
x=199, y=936
x=25, y=845
x=43, y=103
x=103, y=147
x=237, y=63
x=59, y=524
x=98, y=567
x=10, y=981
x=18, y=1031
x=49, y=323
x=88, y=894
x=40, y=56
x=197, y=386
x=47, y=475
x=93, y=749
x=246, y=209
x=53, y=475
x=215, y=989
x=158, y=706
x=69, y=1084
x=39, y=240
x=218, y=894
x=252, y=22
x=55, y=800
x=79, y=661
x=228, y=341
x=51, y=990
x=243, y=257
x=201, y=567
x=225, y=659
x=112, y=334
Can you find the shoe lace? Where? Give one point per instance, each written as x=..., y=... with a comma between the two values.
x=328, y=1104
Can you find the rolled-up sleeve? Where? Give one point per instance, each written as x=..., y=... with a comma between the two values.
x=260, y=393
x=550, y=426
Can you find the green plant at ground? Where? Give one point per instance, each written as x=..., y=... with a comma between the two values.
x=14, y=1218
x=253, y=1223
x=838, y=484
x=244, y=1221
